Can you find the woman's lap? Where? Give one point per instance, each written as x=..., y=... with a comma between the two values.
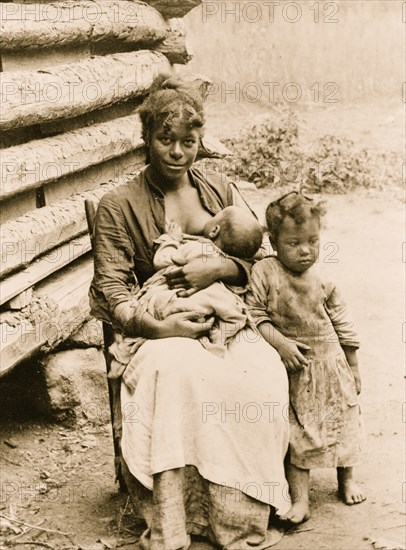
x=225, y=417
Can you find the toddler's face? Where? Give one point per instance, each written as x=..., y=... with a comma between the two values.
x=298, y=245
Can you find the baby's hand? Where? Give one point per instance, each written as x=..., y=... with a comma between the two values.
x=292, y=358
x=174, y=230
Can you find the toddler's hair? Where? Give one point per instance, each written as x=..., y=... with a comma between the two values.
x=295, y=205
x=241, y=233
x=170, y=99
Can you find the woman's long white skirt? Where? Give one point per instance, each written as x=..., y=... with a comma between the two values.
x=228, y=417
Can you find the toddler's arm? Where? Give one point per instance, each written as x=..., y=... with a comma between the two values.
x=288, y=349
x=344, y=328
x=257, y=299
x=352, y=360
x=340, y=317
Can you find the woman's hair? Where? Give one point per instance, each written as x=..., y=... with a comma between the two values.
x=169, y=99
x=295, y=205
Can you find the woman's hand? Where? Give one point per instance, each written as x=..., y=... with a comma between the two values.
x=195, y=275
x=187, y=324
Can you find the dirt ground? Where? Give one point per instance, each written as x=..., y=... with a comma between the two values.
x=60, y=476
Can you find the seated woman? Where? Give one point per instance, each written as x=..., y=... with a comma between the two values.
x=204, y=437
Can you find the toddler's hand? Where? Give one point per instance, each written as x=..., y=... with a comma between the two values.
x=357, y=379
x=292, y=358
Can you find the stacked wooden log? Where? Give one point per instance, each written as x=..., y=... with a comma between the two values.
x=73, y=75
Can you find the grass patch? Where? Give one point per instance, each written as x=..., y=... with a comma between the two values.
x=338, y=51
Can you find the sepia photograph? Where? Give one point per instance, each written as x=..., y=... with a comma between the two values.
x=202, y=280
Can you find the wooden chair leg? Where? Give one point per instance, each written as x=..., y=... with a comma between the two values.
x=116, y=421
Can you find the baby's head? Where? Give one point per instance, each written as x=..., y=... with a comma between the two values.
x=294, y=222
x=235, y=231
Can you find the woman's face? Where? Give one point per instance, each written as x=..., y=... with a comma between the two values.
x=173, y=151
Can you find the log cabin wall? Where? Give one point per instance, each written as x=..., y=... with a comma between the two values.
x=72, y=76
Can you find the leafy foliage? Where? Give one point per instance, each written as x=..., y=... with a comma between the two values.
x=335, y=165
x=262, y=151
x=268, y=154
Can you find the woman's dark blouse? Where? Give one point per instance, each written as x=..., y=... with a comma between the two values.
x=128, y=220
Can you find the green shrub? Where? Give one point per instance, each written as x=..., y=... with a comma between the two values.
x=262, y=150
x=268, y=154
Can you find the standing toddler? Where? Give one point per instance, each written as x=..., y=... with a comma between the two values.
x=301, y=314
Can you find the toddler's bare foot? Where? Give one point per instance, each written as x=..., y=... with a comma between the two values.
x=298, y=479
x=298, y=513
x=349, y=491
